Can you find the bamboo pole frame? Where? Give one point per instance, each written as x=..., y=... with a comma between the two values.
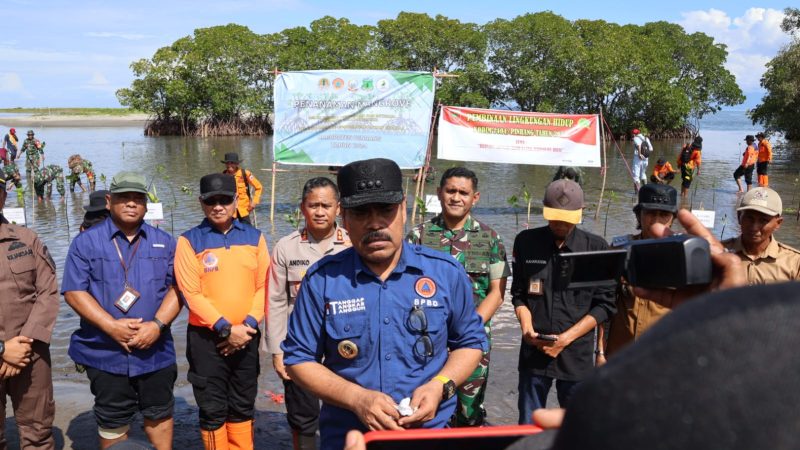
x=605, y=165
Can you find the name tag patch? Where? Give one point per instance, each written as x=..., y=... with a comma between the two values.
x=346, y=306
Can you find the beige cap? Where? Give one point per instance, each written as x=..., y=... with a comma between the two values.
x=763, y=200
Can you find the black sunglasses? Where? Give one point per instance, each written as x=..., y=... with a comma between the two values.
x=418, y=322
x=223, y=200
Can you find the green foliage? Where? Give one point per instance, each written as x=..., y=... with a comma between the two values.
x=294, y=218
x=779, y=109
x=422, y=207
x=655, y=75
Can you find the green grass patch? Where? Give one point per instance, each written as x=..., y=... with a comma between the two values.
x=71, y=111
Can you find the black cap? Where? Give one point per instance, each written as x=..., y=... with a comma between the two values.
x=368, y=181
x=97, y=201
x=662, y=197
x=750, y=138
x=698, y=142
x=217, y=184
x=231, y=157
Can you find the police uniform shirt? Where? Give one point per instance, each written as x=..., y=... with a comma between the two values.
x=556, y=310
x=342, y=303
x=30, y=300
x=779, y=262
x=291, y=258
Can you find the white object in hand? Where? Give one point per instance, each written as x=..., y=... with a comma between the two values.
x=404, y=408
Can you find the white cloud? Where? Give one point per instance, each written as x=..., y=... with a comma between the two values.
x=109, y=34
x=98, y=79
x=752, y=39
x=11, y=82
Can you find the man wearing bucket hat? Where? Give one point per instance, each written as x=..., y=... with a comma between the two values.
x=97, y=209
x=221, y=268
x=564, y=317
x=765, y=260
x=118, y=277
x=658, y=203
x=748, y=164
x=247, y=201
x=382, y=321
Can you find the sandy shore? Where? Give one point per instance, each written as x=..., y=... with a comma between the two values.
x=75, y=120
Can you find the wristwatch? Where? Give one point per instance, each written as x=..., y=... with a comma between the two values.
x=448, y=388
x=224, y=332
x=2, y=347
x=162, y=327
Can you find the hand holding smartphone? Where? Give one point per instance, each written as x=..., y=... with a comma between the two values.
x=546, y=337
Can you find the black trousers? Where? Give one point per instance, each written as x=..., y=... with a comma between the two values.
x=302, y=408
x=762, y=168
x=747, y=172
x=225, y=387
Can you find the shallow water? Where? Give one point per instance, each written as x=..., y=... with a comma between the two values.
x=186, y=159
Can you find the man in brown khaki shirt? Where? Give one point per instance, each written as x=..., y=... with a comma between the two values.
x=658, y=203
x=765, y=260
x=28, y=309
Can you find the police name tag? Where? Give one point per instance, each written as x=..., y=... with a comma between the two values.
x=127, y=299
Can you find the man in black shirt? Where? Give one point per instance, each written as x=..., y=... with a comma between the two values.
x=565, y=316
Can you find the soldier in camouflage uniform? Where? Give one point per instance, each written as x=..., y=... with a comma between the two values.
x=34, y=154
x=12, y=176
x=80, y=166
x=481, y=251
x=43, y=181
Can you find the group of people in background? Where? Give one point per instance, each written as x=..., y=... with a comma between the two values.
x=41, y=176
x=388, y=329
x=755, y=158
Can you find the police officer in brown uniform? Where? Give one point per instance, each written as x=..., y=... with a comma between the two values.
x=28, y=310
x=765, y=260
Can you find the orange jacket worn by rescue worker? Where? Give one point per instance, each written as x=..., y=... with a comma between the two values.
x=764, y=151
x=661, y=170
x=749, y=156
x=241, y=192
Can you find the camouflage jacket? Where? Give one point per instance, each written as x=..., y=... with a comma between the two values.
x=11, y=172
x=477, y=247
x=47, y=174
x=29, y=146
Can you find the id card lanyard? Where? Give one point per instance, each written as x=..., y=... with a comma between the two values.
x=126, y=266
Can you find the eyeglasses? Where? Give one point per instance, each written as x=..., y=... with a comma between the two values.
x=223, y=200
x=418, y=322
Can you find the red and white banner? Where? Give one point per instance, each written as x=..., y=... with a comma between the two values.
x=517, y=137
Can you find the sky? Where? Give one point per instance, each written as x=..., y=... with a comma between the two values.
x=77, y=53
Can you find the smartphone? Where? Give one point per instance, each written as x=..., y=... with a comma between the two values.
x=547, y=337
x=482, y=438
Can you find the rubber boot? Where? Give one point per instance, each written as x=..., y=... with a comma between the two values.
x=240, y=435
x=215, y=440
x=304, y=441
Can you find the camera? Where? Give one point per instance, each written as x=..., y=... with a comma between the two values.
x=668, y=263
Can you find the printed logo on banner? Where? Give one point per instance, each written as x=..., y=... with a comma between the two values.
x=338, y=83
x=367, y=84
x=382, y=84
x=352, y=85
x=324, y=84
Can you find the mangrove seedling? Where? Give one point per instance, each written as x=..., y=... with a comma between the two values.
x=422, y=207
x=513, y=201
x=526, y=196
x=294, y=218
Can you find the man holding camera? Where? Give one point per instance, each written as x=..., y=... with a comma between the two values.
x=658, y=203
x=556, y=323
x=383, y=322
x=765, y=260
